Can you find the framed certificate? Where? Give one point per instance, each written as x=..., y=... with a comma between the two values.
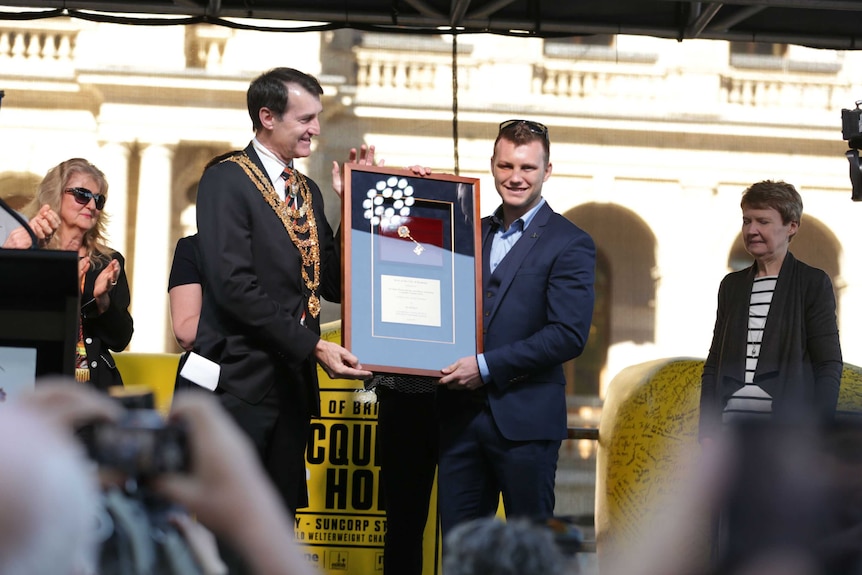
x=412, y=269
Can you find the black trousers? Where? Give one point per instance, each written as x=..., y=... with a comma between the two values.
x=279, y=431
x=407, y=447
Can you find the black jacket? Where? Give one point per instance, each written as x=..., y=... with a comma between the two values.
x=109, y=331
x=800, y=360
x=255, y=295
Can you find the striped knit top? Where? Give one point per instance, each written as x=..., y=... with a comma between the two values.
x=751, y=399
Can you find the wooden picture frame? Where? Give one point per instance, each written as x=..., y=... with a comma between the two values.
x=411, y=269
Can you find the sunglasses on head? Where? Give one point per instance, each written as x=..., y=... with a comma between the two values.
x=83, y=197
x=535, y=127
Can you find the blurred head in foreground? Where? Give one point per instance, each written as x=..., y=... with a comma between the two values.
x=489, y=546
x=48, y=497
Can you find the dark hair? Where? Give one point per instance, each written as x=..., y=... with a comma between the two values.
x=780, y=196
x=490, y=546
x=269, y=90
x=522, y=132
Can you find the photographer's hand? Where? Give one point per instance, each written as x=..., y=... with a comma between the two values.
x=226, y=480
x=70, y=404
x=201, y=542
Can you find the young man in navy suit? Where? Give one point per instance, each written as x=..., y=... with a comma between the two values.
x=503, y=412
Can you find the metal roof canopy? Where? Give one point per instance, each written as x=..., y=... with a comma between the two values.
x=833, y=24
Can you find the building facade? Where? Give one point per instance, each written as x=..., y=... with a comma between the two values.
x=653, y=142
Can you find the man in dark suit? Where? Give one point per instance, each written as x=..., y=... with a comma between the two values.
x=267, y=256
x=503, y=412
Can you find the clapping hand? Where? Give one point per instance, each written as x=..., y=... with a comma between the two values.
x=43, y=225
x=105, y=281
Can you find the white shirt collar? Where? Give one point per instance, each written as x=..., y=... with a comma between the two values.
x=273, y=166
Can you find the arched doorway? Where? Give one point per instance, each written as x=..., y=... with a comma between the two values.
x=624, y=311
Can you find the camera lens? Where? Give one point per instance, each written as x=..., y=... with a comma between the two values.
x=141, y=444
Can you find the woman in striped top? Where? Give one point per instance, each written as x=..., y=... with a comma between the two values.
x=775, y=351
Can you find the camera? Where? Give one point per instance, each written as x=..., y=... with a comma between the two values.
x=137, y=534
x=141, y=445
x=851, y=125
x=851, y=130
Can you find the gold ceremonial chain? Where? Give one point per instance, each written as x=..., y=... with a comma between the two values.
x=299, y=223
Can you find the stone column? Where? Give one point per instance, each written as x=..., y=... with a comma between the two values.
x=114, y=162
x=153, y=251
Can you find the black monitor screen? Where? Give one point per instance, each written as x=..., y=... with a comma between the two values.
x=39, y=309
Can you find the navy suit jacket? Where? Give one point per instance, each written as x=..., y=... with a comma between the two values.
x=537, y=307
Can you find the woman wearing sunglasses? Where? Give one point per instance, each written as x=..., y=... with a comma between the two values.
x=77, y=190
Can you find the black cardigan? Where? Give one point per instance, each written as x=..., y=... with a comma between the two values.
x=800, y=360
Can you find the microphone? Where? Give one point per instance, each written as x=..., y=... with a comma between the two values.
x=34, y=241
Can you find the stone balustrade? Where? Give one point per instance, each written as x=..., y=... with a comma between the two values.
x=746, y=88
x=767, y=91
x=205, y=45
x=408, y=72
x=374, y=71
x=567, y=81
x=423, y=65
x=32, y=44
